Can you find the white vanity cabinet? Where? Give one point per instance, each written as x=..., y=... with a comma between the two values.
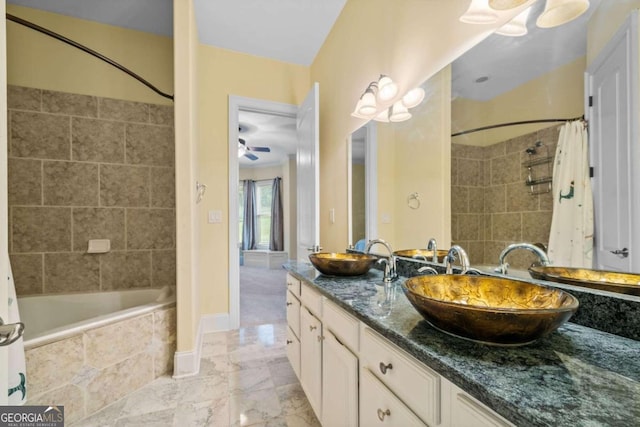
x=466, y=411
x=311, y=359
x=293, y=323
x=339, y=383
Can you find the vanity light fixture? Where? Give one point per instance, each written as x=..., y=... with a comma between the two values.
x=479, y=12
x=505, y=4
x=399, y=112
x=367, y=105
x=379, y=94
x=383, y=116
x=517, y=27
x=387, y=89
x=558, y=12
x=413, y=97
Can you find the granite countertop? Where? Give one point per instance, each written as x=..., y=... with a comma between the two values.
x=576, y=376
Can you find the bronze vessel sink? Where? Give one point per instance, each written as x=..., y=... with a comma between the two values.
x=613, y=281
x=420, y=253
x=342, y=264
x=490, y=310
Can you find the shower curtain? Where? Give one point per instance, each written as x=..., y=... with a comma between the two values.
x=17, y=364
x=276, y=238
x=571, y=236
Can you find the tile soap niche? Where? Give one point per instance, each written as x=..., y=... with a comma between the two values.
x=539, y=169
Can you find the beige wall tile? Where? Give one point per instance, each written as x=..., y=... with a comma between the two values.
x=118, y=380
x=71, y=272
x=149, y=145
x=126, y=270
x=40, y=135
x=546, y=202
x=476, y=200
x=163, y=185
x=97, y=140
x=469, y=227
x=164, y=337
x=163, y=268
x=70, y=184
x=126, y=111
x=150, y=229
x=521, y=143
x=521, y=259
x=454, y=226
x=27, y=273
x=506, y=170
x=454, y=171
x=486, y=175
x=520, y=199
x=495, y=150
x=70, y=396
x=25, y=181
x=41, y=229
x=495, y=199
x=123, y=185
x=53, y=365
x=475, y=251
x=536, y=227
x=492, y=250
x=122, y=340
x=161, y=114
x=507, y=226
x=69, y=103
x=470, y=172
x=98, y=223
x=486, y=227
x=23, y=98
x=459, y=199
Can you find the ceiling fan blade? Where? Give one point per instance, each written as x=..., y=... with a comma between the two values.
x=260, y=149
x=251, y=156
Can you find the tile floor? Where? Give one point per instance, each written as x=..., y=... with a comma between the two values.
x=245, y=379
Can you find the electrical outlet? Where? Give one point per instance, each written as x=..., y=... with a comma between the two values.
x=386, y=218
x=215, y=217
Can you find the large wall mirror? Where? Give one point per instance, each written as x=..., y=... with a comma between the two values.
x=501, y=80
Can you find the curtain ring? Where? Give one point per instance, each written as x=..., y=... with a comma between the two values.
x=413, y=200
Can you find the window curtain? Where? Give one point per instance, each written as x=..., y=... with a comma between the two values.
x=571, y=236
x=276, y=238
x=250, y=224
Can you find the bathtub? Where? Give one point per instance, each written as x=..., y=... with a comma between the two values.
x=86, y=351
x=50, y=318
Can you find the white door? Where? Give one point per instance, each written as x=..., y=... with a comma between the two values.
x=339, y=383
x=613, y=147
x=308, y=175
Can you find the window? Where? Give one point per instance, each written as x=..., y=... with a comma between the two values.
x=263, y=213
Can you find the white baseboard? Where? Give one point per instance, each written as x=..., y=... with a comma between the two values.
x=187, y=363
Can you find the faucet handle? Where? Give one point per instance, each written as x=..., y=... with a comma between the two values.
x=502, y=268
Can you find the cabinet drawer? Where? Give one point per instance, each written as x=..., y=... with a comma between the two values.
x=293, y=285
x=379, y=407
x=415, y=384
x=293, y=313
x=343, y=325
x=311, y=299
x=293, y=351
x=468, y=412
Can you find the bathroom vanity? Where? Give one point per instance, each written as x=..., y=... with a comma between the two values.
x=365, y=357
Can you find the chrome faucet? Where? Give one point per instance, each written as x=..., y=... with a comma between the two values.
x=433, y=246
x=451, y=257
x=391, y=274
x=503, y=266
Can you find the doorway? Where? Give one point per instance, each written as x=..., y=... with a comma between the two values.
x=262, y=125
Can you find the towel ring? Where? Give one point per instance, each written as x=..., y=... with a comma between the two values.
x=413, y=201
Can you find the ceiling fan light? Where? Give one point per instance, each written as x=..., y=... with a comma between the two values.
x=387, y=89
x=505, y=4
x=479, y=12
x=413, y=97
x=517, y=27
x=558, y=12
x=399, y=112
x=383, y=116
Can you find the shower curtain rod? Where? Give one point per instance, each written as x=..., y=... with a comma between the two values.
x=87, y=50
x=524, y=122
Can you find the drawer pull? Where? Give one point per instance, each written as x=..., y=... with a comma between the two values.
x=289, y=342
x=382, y=414
x=383, y=368
x=311, y=328
x=289, y=303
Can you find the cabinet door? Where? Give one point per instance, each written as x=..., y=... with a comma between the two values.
x=468, y=412
x=311, y=359
x=293, y=351
x=293, y=313
x=380, y=407
x=339, y=383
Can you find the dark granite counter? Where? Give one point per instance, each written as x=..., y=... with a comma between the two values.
x=576, y=376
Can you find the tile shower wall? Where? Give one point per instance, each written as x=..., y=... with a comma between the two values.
x=491, y=206
x=83, y=167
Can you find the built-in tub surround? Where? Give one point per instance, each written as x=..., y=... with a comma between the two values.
x=89, y=364
x=491, y=207
x=84, y=167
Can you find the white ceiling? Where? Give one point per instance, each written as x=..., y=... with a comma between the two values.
x=266, y=130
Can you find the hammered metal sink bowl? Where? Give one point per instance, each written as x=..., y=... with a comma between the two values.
x=420, y=253
x=342, y=264
x=613, y=281
x=490, y=310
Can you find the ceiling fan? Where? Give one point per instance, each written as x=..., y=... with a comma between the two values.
x=245, y=150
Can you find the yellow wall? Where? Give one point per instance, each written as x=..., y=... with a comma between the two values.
x=222, y=73
x=557, y=94
x=410, y=40
x=37, y=60
x=605, y=22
